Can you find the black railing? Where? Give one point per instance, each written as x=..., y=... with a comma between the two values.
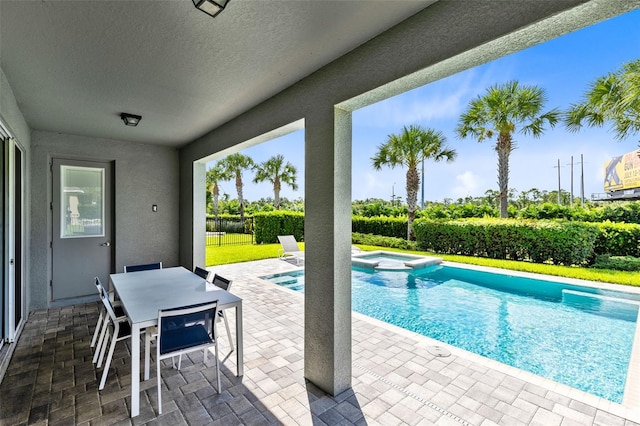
x=229, y=231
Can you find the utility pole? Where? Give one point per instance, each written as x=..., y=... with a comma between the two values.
x=581, y=181
x=558, y=166
x=571, y=203
x=393, y=195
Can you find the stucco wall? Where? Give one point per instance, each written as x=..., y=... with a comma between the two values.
x=144, y=175
x=11, y=114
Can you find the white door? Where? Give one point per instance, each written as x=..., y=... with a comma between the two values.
x=82, y=226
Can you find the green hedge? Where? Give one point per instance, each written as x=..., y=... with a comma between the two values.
x=618, y=239
x=380, y=241
x=269, y=225
x=382, y=225
x=617, y=211
x=617, y=263
x=567, y=243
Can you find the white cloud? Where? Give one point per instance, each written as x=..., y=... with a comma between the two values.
x=442, y=100
x=467, y=185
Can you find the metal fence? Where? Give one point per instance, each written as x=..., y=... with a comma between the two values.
x=229, y=231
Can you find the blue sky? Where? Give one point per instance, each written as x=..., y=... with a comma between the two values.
x=563, y=67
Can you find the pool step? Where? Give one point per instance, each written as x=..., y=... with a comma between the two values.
x=614, y=307
x=284, y=279
x=599, y=296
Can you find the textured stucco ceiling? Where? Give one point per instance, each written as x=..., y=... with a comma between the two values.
x=74, y=66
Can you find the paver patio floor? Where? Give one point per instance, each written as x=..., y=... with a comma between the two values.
x=396, y=380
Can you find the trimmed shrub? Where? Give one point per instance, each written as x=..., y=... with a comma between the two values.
x=381, y=225
x=378, y=240
x=268, y=225
x=617, y=263
x=618, y=239
x=560, y=242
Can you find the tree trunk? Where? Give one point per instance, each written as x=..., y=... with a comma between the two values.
x=413, y=183
x=276, y=193
x=503, y=148
x=240, y=199
x=216, y=195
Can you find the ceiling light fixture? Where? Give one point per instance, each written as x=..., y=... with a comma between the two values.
x=130, y=119
x=211, y=7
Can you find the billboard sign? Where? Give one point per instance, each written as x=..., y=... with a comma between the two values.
x=622, y=172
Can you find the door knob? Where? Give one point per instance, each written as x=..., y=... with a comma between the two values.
x=107, y=244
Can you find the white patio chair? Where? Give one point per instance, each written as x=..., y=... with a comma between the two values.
x=290, y=249
x=121, y=331
x=100, y=333
x=178, y=334
x=144, y=267
x=224, y=284
x=201, y=272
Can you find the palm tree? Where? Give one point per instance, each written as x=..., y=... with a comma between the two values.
x=414, y=145
x=500, y=113
x=275, y=171
x=215, y=175
x=234, y=165
x=615, y=98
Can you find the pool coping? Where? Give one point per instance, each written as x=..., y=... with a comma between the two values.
x=631, y=395
x=630, y=407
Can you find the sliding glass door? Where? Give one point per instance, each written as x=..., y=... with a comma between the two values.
x=12, y=298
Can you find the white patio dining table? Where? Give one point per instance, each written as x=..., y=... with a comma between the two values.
x=143, y=293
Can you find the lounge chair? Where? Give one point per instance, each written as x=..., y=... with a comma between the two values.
x=290, y=249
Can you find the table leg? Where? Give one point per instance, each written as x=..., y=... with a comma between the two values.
x=135, y=370
x=239, y=341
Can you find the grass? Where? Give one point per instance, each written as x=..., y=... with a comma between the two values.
x=220, y=255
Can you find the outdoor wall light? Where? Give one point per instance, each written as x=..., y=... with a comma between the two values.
x=130, y=119
x=211, y=7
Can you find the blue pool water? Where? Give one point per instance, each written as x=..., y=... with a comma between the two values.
x=578, y=336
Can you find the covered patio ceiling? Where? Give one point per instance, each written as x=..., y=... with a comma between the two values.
x=74, y=66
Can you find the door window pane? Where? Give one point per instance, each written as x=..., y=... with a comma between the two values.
x=82, y=203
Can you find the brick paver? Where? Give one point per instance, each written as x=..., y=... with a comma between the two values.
x=51, y=379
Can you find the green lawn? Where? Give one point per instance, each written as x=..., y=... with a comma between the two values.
x=220, y=255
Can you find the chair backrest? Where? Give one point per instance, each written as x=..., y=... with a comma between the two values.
x=178, y=322
x=221, y=282
x=145, y=267
x=104, y=296
x=289, y=243
x=201, y=272
x=98, y=286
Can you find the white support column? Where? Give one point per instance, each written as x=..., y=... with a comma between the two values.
x=327, y=236
x=198, y=249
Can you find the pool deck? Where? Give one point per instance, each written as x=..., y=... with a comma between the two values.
x=395, y=378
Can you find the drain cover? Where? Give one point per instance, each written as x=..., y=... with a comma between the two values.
x=438, y=351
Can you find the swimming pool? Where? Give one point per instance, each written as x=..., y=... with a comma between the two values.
x=578, y=336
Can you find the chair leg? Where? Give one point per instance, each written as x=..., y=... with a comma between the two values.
x=107, y=364
x=103, y=348
x=101, y=339
x=226, y=324
x=217, y=367
x=159, y=381
x=97, y=330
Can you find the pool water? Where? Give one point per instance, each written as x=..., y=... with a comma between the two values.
x=578, y=336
